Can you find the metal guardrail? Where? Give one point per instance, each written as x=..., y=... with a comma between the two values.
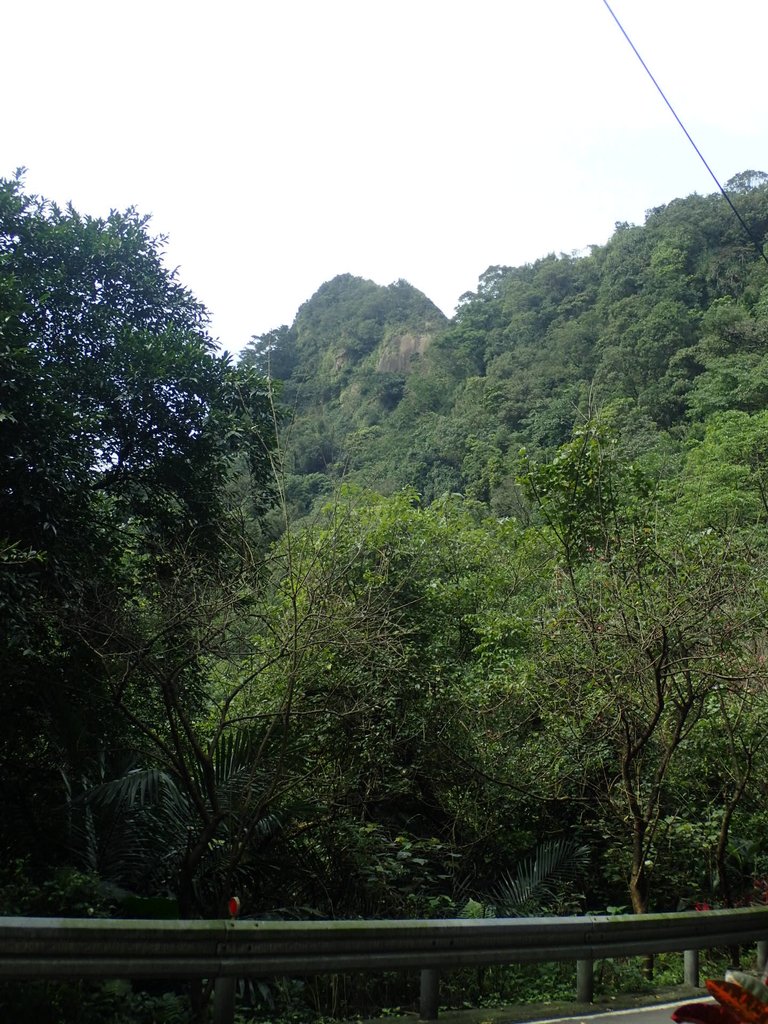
x=224, y=951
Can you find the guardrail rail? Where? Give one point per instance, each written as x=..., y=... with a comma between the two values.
x=222, y=951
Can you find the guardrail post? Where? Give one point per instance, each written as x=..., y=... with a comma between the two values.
x=691, y=967
x=762, y=954
x=585, y=981
x=224, y=1001
x=428, y=994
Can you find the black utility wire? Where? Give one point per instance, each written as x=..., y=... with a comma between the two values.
x=727, y=198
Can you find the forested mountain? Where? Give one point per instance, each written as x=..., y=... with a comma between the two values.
x=343, y=365
x=396, y=612
x=668, y=320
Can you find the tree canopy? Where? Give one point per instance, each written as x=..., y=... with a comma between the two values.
x=119, y=428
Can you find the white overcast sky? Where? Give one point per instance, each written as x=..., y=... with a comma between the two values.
x=281, y=142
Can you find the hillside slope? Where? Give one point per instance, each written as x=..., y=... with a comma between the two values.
x=668, y=322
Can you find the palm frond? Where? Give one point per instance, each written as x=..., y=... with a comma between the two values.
x=130, y=828
x=139, y=787
x=539, y=879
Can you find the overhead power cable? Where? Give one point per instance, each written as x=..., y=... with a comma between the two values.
x=700, y=155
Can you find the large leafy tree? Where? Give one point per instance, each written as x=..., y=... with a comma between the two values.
x=119, y=427
x=651, y=626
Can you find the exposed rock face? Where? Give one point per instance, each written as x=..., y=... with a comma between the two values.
x=351, y=322
x=400, y=352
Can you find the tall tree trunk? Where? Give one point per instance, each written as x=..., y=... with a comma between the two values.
x=638, y=893
x=723, y=882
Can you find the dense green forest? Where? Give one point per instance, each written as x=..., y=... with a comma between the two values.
x=665, y=324
x=384, y=616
